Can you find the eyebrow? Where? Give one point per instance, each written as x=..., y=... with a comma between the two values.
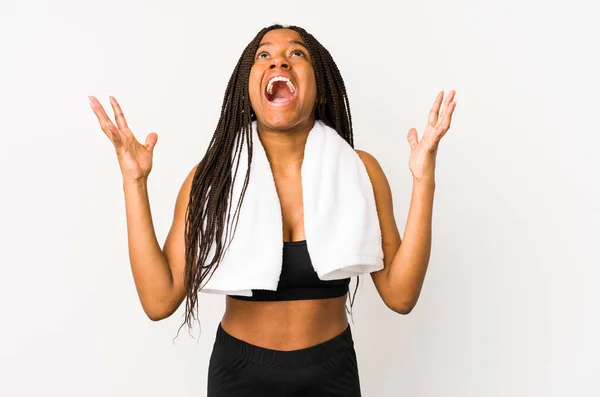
x=289, y=42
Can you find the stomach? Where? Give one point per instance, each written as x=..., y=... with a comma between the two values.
x=285, y=325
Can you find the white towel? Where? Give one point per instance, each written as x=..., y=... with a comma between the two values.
x=341, y=224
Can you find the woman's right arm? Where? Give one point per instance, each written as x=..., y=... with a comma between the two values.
x=158, y=273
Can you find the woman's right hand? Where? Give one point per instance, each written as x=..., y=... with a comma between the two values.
x=135, y=159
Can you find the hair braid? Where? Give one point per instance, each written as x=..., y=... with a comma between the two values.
x=209, y=210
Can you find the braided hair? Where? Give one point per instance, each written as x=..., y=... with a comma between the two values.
x=209, y=210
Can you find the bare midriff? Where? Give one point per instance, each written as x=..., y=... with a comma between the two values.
x=285, y=325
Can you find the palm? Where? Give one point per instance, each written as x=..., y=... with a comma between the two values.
x=423, y=153
x=135, y=159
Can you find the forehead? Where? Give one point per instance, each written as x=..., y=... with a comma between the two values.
x=281, y=36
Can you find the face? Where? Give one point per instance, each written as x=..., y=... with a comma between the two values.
x=282, y=83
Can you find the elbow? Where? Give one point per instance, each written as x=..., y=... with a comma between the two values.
x=401, y=307
x=159, y=307
x=156, y=316
x=157, y=313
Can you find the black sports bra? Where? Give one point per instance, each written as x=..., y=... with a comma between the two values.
x=298, y=279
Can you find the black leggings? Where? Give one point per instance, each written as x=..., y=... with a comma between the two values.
x=239, y=369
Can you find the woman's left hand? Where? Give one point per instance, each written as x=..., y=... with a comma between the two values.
x=423, y=153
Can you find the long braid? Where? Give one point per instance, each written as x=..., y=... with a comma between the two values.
x=209, y=210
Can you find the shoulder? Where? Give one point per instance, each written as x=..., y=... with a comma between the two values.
x=378, y=178
x=385, y=206
x=381, y=186
x=367, y=158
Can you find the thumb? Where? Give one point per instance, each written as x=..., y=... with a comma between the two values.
x=412, y=138
x=151, y=141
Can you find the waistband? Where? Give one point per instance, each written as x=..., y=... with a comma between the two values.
x=232, y=346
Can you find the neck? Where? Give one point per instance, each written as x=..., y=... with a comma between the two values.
x=285, y=148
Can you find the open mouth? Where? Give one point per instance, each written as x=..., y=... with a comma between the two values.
x=280, y=90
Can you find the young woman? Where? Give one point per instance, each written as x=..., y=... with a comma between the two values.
x=295, y=341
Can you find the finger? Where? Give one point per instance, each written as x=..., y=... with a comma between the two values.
x=435, y=110
x=101, y=116
x=98, y=109
x=151, y=140
x=445, y=124
x=119, y=116
x=413, y=138
x=447, y=112
x=114, y=131
x=448, y=118
x=449, y=99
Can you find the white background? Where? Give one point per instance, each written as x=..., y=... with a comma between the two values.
x=509, y=305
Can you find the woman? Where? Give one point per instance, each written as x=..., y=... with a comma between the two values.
x=273, y=344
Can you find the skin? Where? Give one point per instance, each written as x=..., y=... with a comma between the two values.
x=283, y=130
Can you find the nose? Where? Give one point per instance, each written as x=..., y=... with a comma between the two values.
x=278, y=62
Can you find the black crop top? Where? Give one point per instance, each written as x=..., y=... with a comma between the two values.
x=298, y=279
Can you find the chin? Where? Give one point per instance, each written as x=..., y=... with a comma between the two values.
x=282, y=120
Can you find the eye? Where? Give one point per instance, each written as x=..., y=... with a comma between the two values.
x=260, y=55
x=298, y=52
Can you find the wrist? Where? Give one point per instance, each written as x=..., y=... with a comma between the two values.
x=424, y=181
x=135, y=183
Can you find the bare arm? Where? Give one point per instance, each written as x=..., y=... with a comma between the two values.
x=158, y=273
x=405, y=263
x=400, y=282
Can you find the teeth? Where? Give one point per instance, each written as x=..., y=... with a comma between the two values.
x=280, y=78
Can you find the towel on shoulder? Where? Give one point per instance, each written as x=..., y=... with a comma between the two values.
x=341, y=223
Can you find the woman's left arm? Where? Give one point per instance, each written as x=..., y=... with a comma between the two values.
x=399, y=283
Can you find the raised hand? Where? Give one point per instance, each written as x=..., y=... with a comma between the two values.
x=423, y=153
x=135, y=159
